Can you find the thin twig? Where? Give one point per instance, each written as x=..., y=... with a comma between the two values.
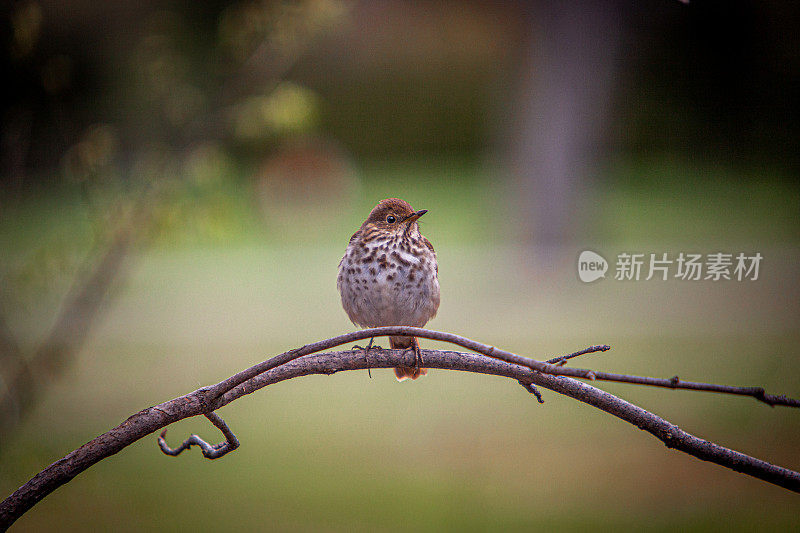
x=561, y=360
x=210, y=451
x=675, y=383
x=530, y=387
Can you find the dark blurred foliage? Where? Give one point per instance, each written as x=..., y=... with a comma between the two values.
x=717, y=80
x=91, y=86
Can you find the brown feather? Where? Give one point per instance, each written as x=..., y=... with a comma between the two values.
x=406, y=372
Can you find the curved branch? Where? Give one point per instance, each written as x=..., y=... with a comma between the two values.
x=557, y=369
x=289, y=365
x=210, y=451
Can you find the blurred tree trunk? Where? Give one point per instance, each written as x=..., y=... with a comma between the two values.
x=558, y=112
x=24, y=376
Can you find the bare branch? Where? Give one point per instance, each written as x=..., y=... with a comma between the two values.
x=546, y=368
x=210, y=451
x=675, y=383
x=670, y=434
x=530, y=387
x=562, y=360
x=293, y=364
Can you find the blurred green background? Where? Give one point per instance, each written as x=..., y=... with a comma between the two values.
x=233, y=148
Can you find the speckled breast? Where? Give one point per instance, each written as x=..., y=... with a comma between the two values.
x=389, y=282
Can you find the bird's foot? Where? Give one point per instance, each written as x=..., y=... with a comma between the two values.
x=366, y=350
x=417, y=355
x=369, y=346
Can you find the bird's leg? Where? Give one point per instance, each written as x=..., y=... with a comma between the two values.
x=366, y=352
x=417, y=354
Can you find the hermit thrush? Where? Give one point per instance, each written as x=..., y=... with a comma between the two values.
x=389, y=276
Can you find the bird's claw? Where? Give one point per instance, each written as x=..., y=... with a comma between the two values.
x=417, y=355
x=369, y=346
x=362, y=348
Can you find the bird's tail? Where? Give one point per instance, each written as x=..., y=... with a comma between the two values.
x=406, y=372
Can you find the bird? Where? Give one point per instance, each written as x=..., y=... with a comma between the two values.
x=389, y=276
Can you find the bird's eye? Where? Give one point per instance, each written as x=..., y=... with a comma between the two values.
x=390, y=219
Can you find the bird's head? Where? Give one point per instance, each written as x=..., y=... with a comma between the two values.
x=393, y=216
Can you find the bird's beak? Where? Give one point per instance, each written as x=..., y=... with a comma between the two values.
x=414, y=216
